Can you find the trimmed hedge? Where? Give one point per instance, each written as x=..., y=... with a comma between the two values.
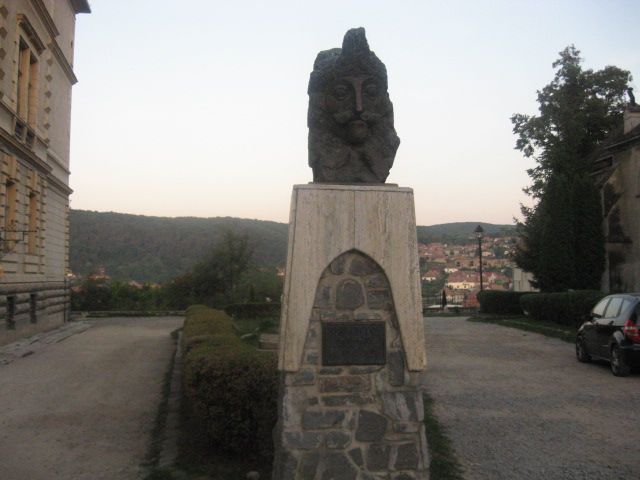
x=564, y=308
x=500, y=301
x=230, y=388
x=253, y=310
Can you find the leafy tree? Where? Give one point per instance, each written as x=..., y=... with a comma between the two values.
x=562, y=242
x=178, y=294
x=93, y=295
x=217, y=278
x=260, y=284
x=226, y=275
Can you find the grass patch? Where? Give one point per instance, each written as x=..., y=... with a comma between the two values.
x=128, y=313
x=549, y=329
x=444, y=464
x=460, y=312
x=249, y=330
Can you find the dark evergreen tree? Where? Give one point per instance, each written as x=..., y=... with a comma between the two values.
x=562, y=242
x=555, y=262
x=588, y=235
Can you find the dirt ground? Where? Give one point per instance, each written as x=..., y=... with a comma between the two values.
x=83, y=408
x=518, y=405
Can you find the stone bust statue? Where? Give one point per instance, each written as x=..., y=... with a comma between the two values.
x=350, y=118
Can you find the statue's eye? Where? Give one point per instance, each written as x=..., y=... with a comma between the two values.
x=341, y=92
x=371, y=90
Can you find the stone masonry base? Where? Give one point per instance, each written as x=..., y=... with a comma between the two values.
x=358, y=422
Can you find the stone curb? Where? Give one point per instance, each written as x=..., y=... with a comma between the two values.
x=169, y=449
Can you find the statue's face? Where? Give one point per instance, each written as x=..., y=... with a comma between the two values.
x=350, y=117
x=356, y=103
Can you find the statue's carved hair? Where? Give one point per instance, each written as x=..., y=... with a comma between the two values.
x=354, y=58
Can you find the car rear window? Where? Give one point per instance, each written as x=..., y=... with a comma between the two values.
x=626, y=304
x=613, y=308
x=598, y=310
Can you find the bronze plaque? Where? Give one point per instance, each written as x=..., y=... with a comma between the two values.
x=354, y=343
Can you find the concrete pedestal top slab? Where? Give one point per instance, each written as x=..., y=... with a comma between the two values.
x=329, y=220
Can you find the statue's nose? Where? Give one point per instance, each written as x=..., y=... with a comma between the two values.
x=358, y=100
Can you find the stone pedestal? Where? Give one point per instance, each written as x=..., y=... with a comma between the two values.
x=352, y=351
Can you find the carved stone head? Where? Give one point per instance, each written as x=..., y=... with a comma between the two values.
x=350, y=119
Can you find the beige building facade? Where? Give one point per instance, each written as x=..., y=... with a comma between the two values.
x=36, y=79
x=616, y=167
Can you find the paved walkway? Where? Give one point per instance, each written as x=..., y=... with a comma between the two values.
x=82, y=408
x=518, y=405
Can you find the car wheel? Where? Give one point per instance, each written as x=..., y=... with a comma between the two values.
x=619, y=365
x=581, y=351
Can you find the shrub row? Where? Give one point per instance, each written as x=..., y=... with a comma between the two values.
x=230, y=388
x=253, y=310
x=565, y=308
x=500, y=301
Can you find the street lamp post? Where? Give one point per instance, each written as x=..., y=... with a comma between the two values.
x=479, y=231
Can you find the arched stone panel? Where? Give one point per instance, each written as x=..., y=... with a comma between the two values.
x=354, y=291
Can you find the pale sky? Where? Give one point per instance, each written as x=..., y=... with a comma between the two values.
x=199, y=108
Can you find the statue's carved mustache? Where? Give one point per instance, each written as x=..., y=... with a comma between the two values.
x=346, y=116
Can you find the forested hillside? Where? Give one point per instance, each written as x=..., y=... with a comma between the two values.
x=157, y=249
x=460, y=232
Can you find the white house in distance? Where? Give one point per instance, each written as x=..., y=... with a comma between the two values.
x=522, y=281
x=36, y=77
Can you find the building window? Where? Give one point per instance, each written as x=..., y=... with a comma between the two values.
x=33, y=308
x=11, y=312
x=11, y=191
x=32, y=238
x=27, y=84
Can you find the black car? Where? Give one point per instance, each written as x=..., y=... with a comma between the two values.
x=612, y=333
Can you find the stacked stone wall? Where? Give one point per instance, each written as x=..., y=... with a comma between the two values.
x=51, y=305
x=353, y=422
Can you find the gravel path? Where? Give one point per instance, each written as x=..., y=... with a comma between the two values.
x=518, y=405
x=83, y=408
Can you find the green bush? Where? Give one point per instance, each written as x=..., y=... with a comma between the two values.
x=253, y=310
x=500, y=301
x=564, y=308
x=231, y=388
x=117, y=296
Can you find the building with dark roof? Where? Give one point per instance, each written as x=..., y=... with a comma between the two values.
x=616, y=169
